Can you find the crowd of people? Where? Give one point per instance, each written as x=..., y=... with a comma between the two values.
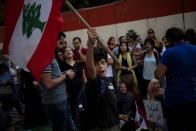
x=85, y=89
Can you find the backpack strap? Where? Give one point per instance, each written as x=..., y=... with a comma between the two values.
x=155, y=55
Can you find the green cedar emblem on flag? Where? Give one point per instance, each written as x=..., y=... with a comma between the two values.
x=31, y=15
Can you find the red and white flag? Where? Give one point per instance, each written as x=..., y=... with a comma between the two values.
x=31, y=29
x=140, y=119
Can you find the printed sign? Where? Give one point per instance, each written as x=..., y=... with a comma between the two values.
x=154, y=111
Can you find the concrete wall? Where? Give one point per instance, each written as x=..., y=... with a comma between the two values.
x=159, y=24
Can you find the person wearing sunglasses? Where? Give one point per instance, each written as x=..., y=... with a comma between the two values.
x=151, y=35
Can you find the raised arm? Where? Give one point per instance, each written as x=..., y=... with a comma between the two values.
x=92, y=34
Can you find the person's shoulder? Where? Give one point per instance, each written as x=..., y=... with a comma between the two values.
x=190, y=45
x=156, y=53
x=170, y=50
x=91, y=85
x=84, y=50
x=53, y=62
x=64, y=66
x=74, y=51
x=92, y=81
x=144, y=52
x=48, y=67
x=81, y=63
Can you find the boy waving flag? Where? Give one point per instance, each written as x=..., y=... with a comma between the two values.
x=31, y=29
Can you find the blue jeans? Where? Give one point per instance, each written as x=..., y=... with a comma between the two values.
x=59, y=116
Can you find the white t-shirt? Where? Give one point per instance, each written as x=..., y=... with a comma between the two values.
x=149, y=67
x=109, y=71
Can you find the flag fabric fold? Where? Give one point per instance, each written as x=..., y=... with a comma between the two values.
x=31, y=29
x=140, y=119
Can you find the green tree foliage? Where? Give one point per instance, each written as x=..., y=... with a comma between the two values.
x=31, y=15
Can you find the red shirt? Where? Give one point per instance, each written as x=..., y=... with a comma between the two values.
x=76, y=54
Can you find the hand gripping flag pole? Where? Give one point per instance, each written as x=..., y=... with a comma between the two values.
x=100, y=40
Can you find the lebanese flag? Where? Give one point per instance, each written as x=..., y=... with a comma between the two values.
x=31, y=30
x=140, y=119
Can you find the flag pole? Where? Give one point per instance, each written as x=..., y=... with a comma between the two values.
x=100, y=40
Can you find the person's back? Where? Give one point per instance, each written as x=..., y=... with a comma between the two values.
x=182, y=59
x=178, y=65
x=181, y=73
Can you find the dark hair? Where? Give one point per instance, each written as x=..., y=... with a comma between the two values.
x=99, y=53
x=61, y=34
x=109, y=40
x=190, y=36
x=149, y=40
x=68, y=47
x=77, y=38
x=150, y=30
x=120, y=38
x=57, y=50
x=174, y=35
x=119, y=51
x=131, y=34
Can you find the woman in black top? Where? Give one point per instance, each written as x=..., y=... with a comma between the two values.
x=73, y=85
